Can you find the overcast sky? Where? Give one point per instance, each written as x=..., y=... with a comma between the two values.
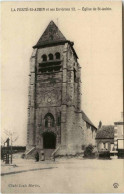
x=97, y=37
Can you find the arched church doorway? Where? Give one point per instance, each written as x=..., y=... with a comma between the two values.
x=49, y=140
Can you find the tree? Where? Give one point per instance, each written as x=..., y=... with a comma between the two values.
x=12, y=135
x=2, y=141
x=13, y=138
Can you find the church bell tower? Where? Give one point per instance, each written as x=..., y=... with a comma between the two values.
x=54, y=109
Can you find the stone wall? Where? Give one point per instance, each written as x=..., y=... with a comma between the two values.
x=89, y=133
x=31, y=104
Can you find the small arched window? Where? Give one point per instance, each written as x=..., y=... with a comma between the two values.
x=74, y=75
x=57, y=55
x=50, y=56
x=59, y=120
x=49, y=120
x=44, y=57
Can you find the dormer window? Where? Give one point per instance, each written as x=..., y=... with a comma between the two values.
x=57, y=55
x=44, y=58
x=50, y=56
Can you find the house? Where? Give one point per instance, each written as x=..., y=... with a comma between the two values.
x=105, y=138
x=119, y=136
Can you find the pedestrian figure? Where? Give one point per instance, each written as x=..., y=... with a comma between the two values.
x=37, y=157
x=42, y=156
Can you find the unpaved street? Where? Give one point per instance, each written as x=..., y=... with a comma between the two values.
x=65, y=176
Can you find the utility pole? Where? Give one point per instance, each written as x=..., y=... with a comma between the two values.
x=13, y=138
x=11, y=148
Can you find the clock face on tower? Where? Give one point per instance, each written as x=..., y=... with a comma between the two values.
x=50, y=98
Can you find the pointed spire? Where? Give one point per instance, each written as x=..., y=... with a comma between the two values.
x=52, y=34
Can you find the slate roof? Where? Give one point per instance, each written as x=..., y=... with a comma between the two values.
x=86, y=119
x=52, y=34
x=106, y=132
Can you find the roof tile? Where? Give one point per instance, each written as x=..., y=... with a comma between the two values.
x=52, y=34
x=105, y=132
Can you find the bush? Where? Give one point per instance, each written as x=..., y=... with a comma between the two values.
x=89, y=152
x=104, y=154
x=23, y=156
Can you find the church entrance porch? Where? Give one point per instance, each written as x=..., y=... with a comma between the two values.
x=49, y=144
x=49, y=140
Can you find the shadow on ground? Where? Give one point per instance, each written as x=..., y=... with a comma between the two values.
x=16, y=172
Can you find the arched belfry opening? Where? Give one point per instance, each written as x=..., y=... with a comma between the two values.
x=50, y=56
x=44, y=58
x=49, y=140
x=57, y=55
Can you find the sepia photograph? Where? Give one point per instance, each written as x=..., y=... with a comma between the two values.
x=62, y=127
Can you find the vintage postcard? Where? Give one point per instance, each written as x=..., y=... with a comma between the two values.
x=62, y=128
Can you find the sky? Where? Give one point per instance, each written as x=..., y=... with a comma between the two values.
x=97, y=37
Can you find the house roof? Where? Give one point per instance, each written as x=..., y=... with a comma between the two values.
x=106, y=132
x=52, y=34
x=86, y=119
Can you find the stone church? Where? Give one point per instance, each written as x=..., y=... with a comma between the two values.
x=56, y=123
